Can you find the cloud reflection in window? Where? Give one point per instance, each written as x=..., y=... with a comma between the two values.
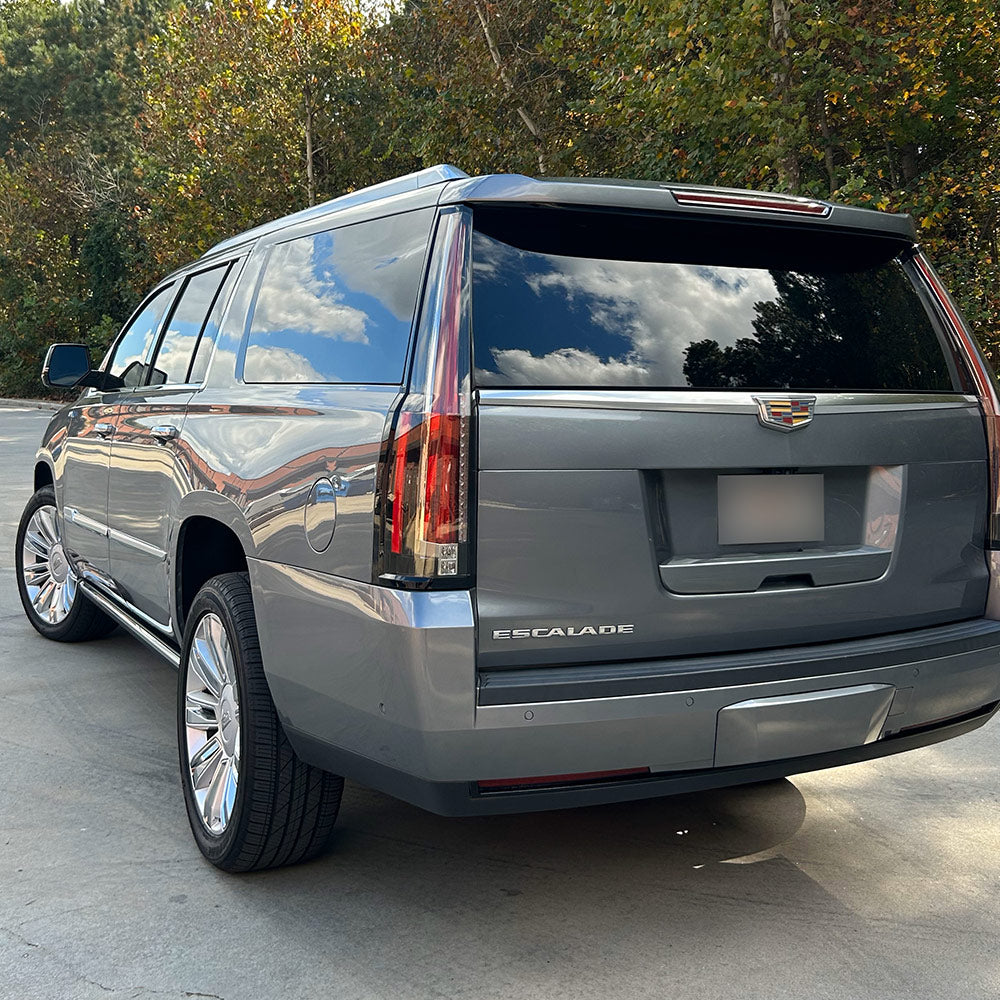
x=337, y=306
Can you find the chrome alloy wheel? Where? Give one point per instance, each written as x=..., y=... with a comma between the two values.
x=49, y=579
x=212, y=723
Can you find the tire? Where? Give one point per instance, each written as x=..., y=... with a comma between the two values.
x=252, y=804
x=48, y=587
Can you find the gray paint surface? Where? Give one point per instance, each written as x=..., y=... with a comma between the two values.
x=762, y=729
x=875, y=880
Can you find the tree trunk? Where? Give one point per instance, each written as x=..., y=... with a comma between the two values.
x=824, y=127
x=508, y=84
x=890, y=160
x=310, y=166
x=789, y=167
x=908, y=161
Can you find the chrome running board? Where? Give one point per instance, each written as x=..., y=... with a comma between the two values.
x=140, y=631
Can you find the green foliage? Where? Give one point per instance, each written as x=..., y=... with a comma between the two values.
x=472, y=82
x=887, y=105
x=71, y=261
x=136, y=133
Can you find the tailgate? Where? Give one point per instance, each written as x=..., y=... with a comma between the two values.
x=599, y=523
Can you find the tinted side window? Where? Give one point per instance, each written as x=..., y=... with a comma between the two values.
x=337, y=306
x=184, y=327
x=203, y=352
x=128, y=359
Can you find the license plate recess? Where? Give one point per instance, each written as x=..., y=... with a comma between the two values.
x=769, y=508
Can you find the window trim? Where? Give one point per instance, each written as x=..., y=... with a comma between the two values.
x=266, y=250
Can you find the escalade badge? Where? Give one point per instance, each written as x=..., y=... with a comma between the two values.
x=785, y=413
x=562, y=631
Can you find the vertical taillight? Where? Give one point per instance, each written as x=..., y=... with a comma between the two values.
x=422, y=524
x=987, y=392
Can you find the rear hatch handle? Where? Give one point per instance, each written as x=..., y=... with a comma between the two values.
x=747, y=572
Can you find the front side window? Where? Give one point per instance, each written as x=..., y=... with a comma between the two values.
x=177, y=347
x=338, y=306
x=129, y=356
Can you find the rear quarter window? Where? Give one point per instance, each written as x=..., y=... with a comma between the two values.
x=337, y=306
x=571, y=300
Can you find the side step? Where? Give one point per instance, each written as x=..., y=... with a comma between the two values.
x=127, y=622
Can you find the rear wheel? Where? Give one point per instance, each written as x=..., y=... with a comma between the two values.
x=48, y=586
x=251, y=802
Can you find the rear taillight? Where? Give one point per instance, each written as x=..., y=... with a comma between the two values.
x=422, y=530
x=987, y=392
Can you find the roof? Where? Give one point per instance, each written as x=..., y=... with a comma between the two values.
x=429, y=177
x=448, y=185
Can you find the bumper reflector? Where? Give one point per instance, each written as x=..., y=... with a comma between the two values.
x=512, y=784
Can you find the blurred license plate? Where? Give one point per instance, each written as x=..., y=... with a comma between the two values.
x=770, y=509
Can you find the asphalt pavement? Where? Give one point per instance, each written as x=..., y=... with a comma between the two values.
x=878, y=880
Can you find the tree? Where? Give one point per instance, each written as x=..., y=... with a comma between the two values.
x=70, y=252
x=885, y=104
x=473, y=85
x=136, y=133
x=253, y=110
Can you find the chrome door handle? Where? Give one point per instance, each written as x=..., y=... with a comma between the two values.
x=164, y=432
x=104, y=430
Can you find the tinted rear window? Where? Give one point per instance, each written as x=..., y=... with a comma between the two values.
x=570, y=299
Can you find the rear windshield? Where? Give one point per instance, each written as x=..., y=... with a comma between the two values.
x=589, y=300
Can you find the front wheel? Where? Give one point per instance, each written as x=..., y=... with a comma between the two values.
x=251, y=802
x=46, y=582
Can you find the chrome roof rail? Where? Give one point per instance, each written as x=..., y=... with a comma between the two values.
x=398, y=185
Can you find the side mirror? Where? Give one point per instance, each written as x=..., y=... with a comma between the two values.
x=65, y=366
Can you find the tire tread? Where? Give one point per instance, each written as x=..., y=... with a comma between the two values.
x=289, y=807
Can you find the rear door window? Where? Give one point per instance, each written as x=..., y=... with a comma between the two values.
x=572, y=299
x=184, y=328
x=337, y=306
x=210, y=331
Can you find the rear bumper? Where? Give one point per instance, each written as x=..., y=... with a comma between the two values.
x=381, y=686
x=463, y=798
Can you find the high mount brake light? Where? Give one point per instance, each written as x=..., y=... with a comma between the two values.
x=423, y=532
x=753, y=202
x=988, y=400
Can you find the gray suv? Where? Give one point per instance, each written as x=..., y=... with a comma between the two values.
x=502, y=494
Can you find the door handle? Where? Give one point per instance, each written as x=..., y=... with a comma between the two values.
x=163, y=432
x=103, y=430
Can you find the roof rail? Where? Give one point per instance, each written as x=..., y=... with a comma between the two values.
x=427, y=177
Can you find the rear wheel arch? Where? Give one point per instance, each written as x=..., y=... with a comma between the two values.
x=206, y=547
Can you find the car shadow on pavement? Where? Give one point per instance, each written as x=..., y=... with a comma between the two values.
x=562, y=897
x=679, y=832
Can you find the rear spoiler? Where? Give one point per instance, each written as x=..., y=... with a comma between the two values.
x=652, y=196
